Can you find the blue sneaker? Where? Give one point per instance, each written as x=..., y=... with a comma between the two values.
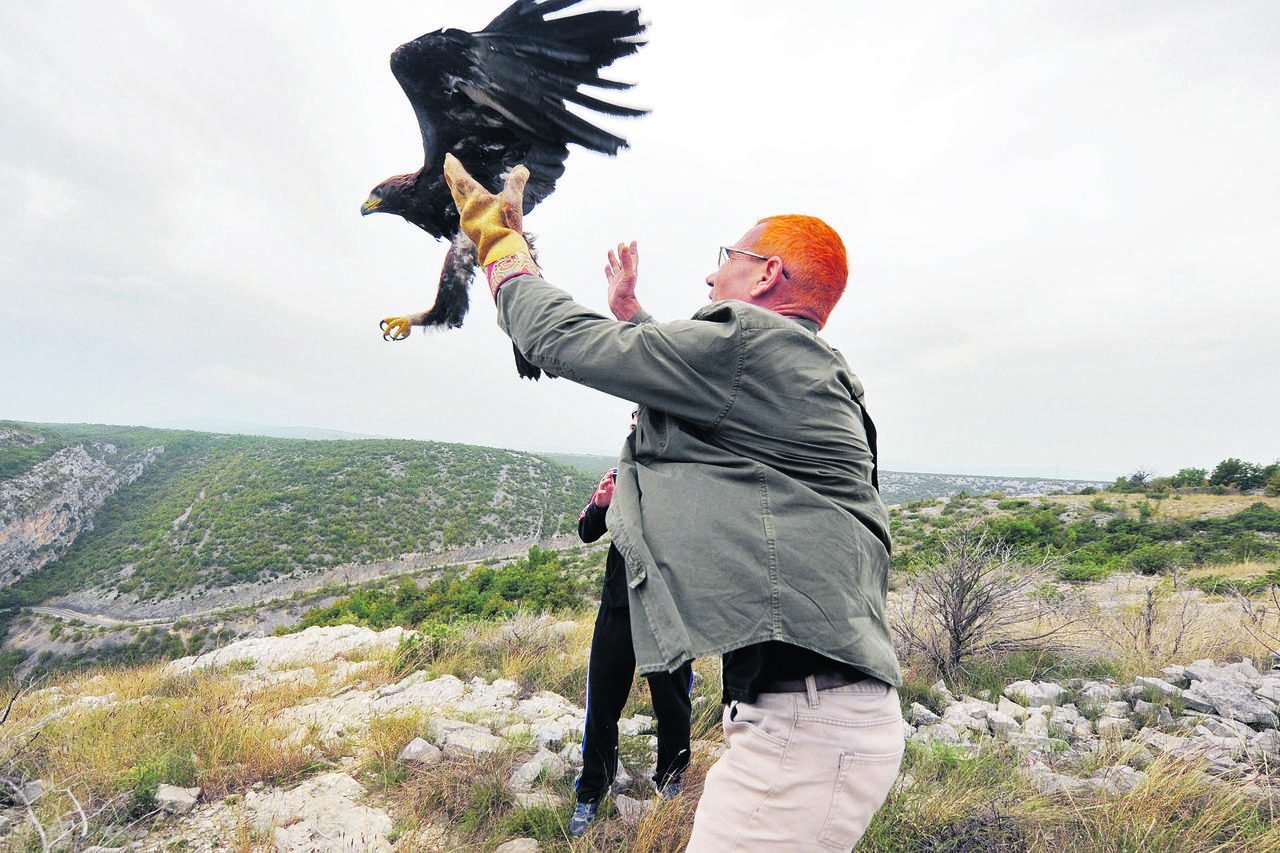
x=584, y=814
x=669, y=791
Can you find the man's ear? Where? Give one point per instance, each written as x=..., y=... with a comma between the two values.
x=772, y=275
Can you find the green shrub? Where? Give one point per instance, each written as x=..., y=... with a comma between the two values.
x=915, y=690
x=1083, y=572
x=1152, y=559
x=1214, y=584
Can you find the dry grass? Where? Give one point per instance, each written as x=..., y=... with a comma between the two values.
x=110, y=738
x=1183, y=505
x=1177, y=809
x=1142, y=625
x=975, y=805
x=1233, y=571
x=215, y=731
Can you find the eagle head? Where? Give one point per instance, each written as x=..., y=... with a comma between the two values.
x=390, y=196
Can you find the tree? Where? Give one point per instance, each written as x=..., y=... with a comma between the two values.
x=1135, y=482
x=1139, y=479
x=977, y=598
x=1189, y=478
x=1234, y=472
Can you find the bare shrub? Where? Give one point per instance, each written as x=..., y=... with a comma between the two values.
x=54, y=815
x=978, y=598
x=1158, y=605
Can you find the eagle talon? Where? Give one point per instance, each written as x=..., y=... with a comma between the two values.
x=396, y=328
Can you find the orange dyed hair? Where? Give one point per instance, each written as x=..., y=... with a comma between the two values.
x=814, y=256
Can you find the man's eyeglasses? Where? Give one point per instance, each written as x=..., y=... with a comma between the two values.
x=725, y=251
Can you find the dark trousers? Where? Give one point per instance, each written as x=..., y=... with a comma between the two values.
x=610, y=672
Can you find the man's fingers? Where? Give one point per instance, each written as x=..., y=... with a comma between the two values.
x=512, y=206
x=515, y=183
x=460, y=182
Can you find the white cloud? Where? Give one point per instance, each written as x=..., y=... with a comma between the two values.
x=233, y=381
x=1060, y=216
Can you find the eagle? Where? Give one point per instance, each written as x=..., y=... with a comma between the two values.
x=495, y=99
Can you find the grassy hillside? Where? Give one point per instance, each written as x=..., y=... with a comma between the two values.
x=216, y=510
x=1088, y=537
x=23, y=446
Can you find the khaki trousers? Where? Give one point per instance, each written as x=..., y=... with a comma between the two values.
x=802, y=772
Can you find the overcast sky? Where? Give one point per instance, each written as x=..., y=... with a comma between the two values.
x=1063, y=219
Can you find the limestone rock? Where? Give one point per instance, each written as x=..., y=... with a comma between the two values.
x=1036, y=693
x=520, y=845
x=421, y=751
x=306, y=648
x=1002, y=725
x=175, y=800
x=1159, y=684
x=538, y=799
x=43, y=511
x=471, y=738
x=1049, y=783
x=937, y=733
x=1235, y=701
x=922, y=716
x=323, y=814
x=631, y=809
x=544, y=763
x=634, y=725
x=1114, y=728
x=1012, y=709
x=1118, y=779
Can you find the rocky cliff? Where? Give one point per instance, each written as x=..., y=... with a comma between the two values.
x=44, y=510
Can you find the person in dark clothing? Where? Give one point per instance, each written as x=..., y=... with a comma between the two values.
x=610, y=672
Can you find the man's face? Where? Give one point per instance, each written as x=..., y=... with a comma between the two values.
x=739, y=273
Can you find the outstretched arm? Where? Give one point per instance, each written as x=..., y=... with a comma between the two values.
x=621, y=273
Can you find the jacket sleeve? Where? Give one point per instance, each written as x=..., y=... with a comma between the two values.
x=591, y=522
x=686, y=368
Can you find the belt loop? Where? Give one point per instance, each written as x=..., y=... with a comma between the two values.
x=811, y=688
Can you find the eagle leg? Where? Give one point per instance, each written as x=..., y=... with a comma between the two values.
x=452, y=300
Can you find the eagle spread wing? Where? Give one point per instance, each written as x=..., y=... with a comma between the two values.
x=495, y=99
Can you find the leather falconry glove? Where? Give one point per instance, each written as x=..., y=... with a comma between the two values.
x=493, y=222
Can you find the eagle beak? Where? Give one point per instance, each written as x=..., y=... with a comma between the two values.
x=369, y=206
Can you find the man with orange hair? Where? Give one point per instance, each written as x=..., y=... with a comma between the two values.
x=746, y=511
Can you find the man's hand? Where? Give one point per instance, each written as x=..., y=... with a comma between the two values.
x=493, y=222
x=604, y=492
x=622, y=271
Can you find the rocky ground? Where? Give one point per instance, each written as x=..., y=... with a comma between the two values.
x=1222, y=718
x=333, y=811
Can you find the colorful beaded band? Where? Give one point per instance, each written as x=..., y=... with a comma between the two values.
x=509, y=267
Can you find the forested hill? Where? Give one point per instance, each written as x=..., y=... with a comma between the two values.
x=153, y=513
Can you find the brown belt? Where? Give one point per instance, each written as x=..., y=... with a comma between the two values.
x=821, y=681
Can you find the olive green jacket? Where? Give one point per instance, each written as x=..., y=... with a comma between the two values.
x=744, y=506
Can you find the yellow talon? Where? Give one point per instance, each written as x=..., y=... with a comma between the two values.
x=396, y=328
